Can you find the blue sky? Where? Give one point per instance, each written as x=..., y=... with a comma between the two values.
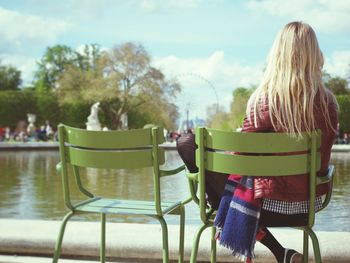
x=205, y=43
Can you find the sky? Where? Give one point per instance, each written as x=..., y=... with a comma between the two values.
x=210, y=46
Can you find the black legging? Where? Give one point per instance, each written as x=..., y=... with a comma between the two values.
x=214, y=182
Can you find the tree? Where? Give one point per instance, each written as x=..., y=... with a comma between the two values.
x=129, y=71
x=234, y=118
x=344, y=113
x=10, y=78
x=123, y=81
x=88, y=57
x=217, y=117
x=58, y=59
x=239, y=105
x=338, y=85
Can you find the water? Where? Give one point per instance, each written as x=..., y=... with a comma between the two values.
x=30, y=188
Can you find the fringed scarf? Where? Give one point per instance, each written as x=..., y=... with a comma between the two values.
x=238, y=217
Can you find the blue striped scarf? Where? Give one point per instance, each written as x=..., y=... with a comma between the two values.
x=238, y=216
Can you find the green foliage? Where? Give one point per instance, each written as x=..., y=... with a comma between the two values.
x=123, y=81
x=157, y=111
x=136, y=83
x=75, y=114
x=138, y=119
x=14, y=107
x=10, y=78
x=87, y=59
x=218, y=118
x=233, y=119
x=338, y=85
x=68, y=82
x=239, y=105
x=52, y=64
x=47, y=108
x=57, y=59
x=344, y=113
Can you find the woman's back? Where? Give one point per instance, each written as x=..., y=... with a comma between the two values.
x=292, y=98
x=295, y=188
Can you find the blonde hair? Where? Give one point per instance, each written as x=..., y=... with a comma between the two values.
x=292, y=78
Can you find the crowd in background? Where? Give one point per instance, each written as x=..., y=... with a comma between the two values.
x=23, y=133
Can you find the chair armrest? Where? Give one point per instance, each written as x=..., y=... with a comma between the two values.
x=172, y=172
x=193, y=184
x=192, y=176
x=187, y=200
x=326, y=178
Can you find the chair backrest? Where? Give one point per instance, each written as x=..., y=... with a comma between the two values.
x=257, y=154
x=111, y=150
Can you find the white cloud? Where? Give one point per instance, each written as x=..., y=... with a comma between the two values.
x=150, y=6
x=23, y=33
x=338, y=64
x=183, y=4
x=324, y=15
x=206, y=80
x=18, y=29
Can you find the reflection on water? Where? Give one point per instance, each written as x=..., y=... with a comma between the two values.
x=337, y=215
x=31, y=188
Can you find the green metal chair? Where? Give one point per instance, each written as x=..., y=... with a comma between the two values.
x=258, y=157
x=116, y=150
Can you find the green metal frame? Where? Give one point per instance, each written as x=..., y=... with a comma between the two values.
x=116, y=150
x=257, y=154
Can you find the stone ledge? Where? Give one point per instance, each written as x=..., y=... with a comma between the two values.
x=142, y=242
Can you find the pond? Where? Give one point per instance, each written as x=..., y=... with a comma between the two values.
x=30, y=188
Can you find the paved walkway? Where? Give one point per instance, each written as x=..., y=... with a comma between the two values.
x=138, y=242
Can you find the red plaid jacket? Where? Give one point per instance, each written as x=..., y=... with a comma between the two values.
x=295, y=188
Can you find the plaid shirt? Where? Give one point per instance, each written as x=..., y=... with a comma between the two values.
x=290, y=208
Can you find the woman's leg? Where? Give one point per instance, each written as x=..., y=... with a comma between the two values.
x=273, y=219
x=272, y=244
x=278, y=220
x=214, y=182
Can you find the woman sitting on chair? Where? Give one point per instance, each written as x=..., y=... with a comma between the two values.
x=290, y=98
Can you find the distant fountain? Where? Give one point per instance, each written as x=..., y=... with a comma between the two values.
x=93, y=124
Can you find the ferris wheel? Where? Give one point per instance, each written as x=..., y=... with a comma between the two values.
x=197, y=94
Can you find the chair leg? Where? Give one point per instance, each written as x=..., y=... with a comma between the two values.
x=103, y=238
x=182, y=234
x=58, y=246
x=315, y=245
x=305, y=246
x=196, y=243
x=213, y=245
x=165, y=238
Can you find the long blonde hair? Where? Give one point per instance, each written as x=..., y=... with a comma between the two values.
x=292, y=78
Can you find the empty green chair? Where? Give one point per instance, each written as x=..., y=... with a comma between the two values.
x=258, y=157
x=132, y=149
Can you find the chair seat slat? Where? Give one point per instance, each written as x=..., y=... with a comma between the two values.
x=106, y=201
x=118, y=206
